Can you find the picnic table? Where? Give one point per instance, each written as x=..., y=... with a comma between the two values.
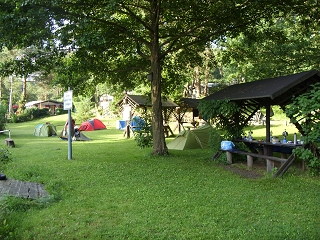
x=265, y=150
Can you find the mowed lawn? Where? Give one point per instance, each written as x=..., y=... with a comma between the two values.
x=111, y=189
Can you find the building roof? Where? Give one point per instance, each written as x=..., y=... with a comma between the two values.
x=32, y=103
x=276, y=91
x=251, y=96
x=190, y=102
x=145, y=101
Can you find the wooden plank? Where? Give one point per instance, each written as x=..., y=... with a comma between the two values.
x=22, y=189
x=285, y=166
x=258, y=155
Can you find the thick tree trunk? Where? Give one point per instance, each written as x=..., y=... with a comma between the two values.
x=159, y=144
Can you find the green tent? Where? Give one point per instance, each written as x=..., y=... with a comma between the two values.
x=190, y=139
x=45, y=130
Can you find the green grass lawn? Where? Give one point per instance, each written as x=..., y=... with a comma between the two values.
x=113, y=190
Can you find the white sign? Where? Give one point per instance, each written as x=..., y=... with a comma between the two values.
x=126, y=115
x=67, y=100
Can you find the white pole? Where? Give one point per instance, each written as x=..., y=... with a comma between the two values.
x=69, y=135
x=69, y=132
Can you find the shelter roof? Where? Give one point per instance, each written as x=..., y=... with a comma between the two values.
x=251, y=96
x=145, y=101
x=190, y=102
x=32, y=103
x=276, y=91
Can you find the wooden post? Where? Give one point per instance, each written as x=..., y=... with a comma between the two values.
x=270, y=165
x=229, y=157
x=268, y=151
x=249, y=161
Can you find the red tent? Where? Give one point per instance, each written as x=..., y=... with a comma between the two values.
x=91, y=125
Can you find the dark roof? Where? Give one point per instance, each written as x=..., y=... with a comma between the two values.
x=145, y=101
x=190, y=102
x=276, y=91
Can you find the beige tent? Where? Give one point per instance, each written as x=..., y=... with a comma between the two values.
x=191, y=139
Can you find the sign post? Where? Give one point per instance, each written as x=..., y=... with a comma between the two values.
x=67, y=105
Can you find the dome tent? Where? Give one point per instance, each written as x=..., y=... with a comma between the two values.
x=91, y=125
x=45, y=130
x=191, y=139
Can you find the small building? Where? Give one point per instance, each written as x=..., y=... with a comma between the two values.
x=52, y=105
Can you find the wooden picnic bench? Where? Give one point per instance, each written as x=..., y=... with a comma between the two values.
x=4, y=131
x=250, y=157
x=285, y=162
x=264, y=150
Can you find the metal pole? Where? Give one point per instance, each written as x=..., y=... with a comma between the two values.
x=69, y=133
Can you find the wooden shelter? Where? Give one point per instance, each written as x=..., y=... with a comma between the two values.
x=144, y=102
x=50, y=104
x=251, y=96
x=186, y=105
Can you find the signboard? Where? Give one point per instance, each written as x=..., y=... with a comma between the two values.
x=67, y=100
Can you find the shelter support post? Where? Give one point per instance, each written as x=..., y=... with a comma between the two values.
x=268, y=107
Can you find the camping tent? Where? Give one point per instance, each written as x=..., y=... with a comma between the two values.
x=45, y=130
x=91, y=125
x=76, y=135
x=190, y=139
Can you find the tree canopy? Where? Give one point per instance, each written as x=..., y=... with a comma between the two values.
x=120, y=41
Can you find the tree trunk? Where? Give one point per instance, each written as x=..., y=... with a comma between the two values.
x=197, y=82
x=159, y=144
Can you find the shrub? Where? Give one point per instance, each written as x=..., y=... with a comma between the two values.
x=60, y=111
x=30, y=114
x=222, y=113
x=304, y=111
x=143, y=134
x=3, y=120
x=83, y=108
x=5, y=157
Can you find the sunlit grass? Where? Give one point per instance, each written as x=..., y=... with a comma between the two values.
x=111, y=189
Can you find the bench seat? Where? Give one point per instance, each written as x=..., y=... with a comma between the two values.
x=270, y=159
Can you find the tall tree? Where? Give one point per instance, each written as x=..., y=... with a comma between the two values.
x=285, y=45
x=122, y=40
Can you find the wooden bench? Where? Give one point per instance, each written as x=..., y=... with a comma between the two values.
x=270, y=159
x=3, y=131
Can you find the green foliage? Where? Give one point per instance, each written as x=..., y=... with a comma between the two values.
x=113, y=190
x=3, y=120
x=60, y=111
x=5, y=155
x=5, y=158
x=143, y=134
x=304, y=110
x=30, y=114
x=214, y=140
x=278, y=46
x=310, y=159
x=223, y=115
x=83, y=109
